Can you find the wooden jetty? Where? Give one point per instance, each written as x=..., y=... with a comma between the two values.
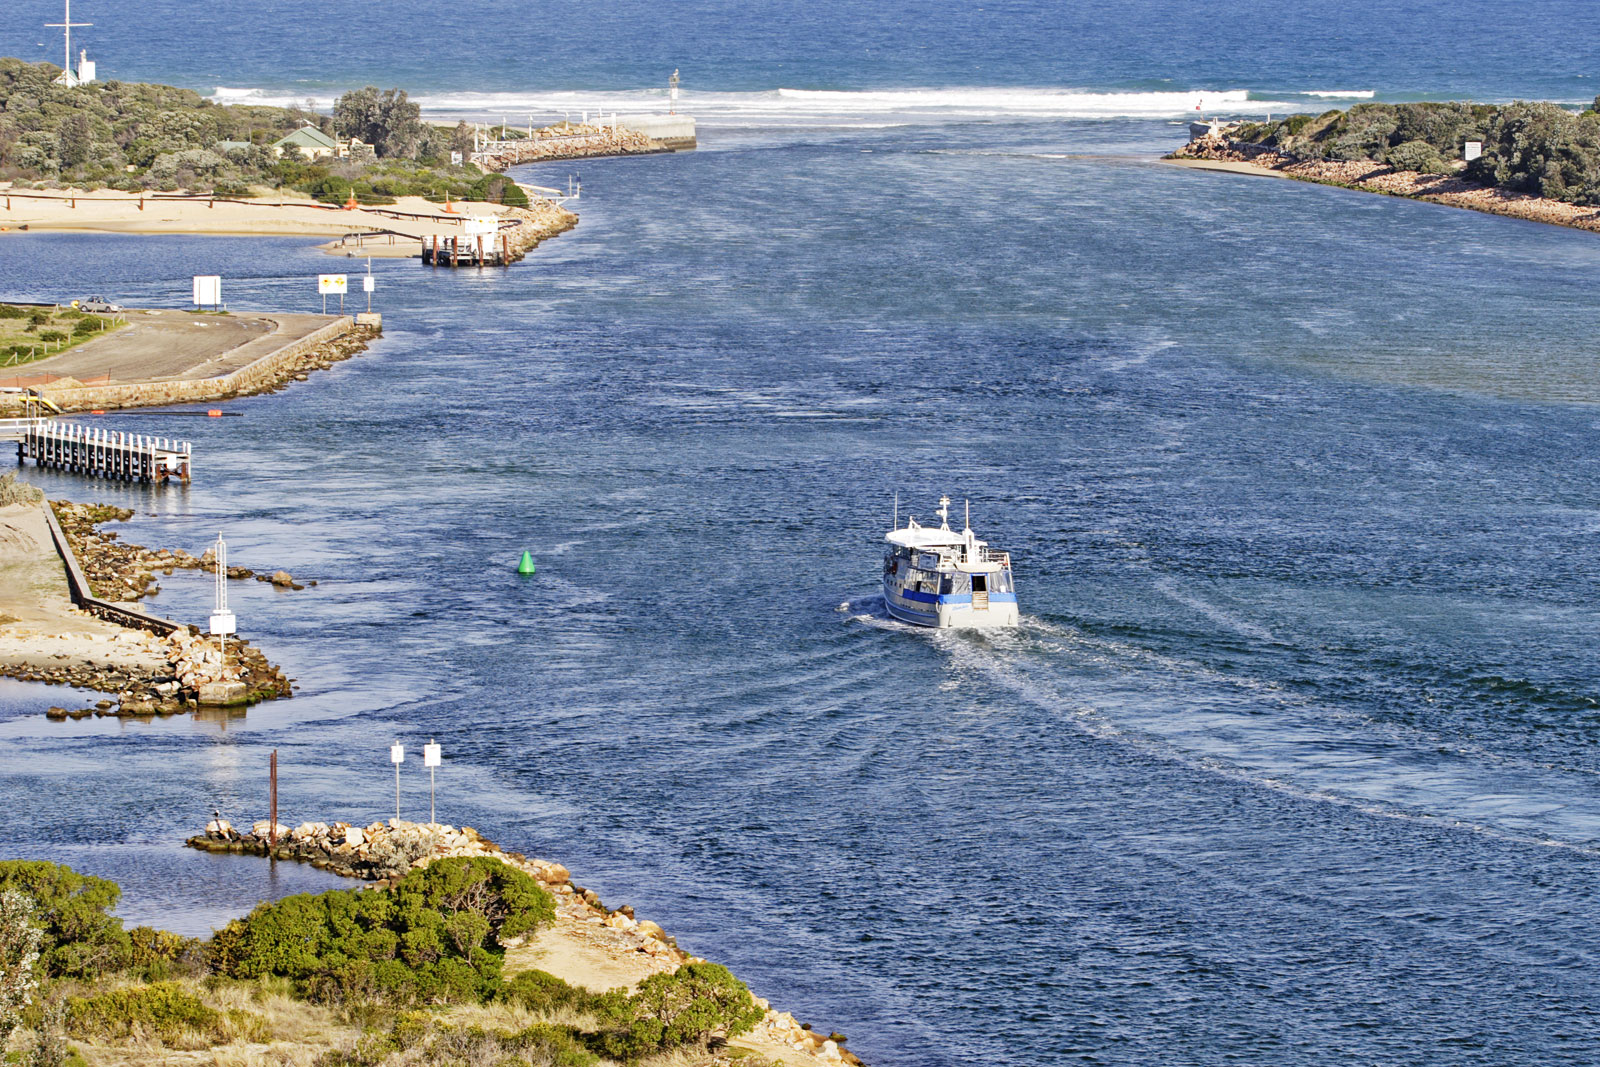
x=101, y=453
x=480, y=251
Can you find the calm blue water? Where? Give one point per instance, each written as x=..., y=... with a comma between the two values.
x=1294, y=759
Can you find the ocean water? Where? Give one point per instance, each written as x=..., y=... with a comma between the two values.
x=1294, y=759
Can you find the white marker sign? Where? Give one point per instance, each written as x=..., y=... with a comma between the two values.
x=397, y=753
x=207, y=290
x=430, y=755
x=333, y=284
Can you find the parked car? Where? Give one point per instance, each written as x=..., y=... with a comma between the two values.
x=98, y=304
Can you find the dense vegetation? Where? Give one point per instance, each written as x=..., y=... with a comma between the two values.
x=396, y=964
x=1536, y=148
x=131, y=136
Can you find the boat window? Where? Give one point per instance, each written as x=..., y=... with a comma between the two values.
x=957, y=583
x=980, y=583
x=1002, y=581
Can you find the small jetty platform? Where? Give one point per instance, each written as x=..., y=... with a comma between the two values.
x=98, y=453
x=492, y=250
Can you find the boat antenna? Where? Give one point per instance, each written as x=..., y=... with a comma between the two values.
x=897, y=509
x=968, y=520
x=944, y=511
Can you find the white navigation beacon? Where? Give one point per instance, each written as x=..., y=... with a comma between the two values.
x=945, y=579
x=223, y=624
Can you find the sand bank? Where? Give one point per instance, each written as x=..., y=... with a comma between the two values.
x=410, y=220
x=1238, y=157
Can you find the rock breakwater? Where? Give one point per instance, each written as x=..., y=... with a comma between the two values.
x=1371, y=176
x=383, y=852
x=568, y=141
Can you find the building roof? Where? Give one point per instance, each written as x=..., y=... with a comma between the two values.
x=307, y=137
x=229, y=146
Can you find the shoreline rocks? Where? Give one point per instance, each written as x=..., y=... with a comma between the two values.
x=1370, y=176
x=382, y=853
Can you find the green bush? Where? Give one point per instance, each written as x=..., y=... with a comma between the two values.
x=81, y=938
x=87, y=325
x=433, y=938
x=165, y=1010
x=687, y=1007
x=53, y=336
x=11, y=311
x=1415, y=155
x=543, y=992
x=498, y=189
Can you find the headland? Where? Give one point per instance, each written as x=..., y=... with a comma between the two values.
x=1532, y=161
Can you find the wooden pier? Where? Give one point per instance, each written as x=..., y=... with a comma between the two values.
x=478, y=251
x=102, y=453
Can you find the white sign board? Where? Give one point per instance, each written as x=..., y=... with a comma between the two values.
x=455, y=159
x=397, y=753
x=223, y=623
x=1472, y=150
x=430, y=755
x=368, y=283
x=333, y=284
x=476, y=225
x=207, y=290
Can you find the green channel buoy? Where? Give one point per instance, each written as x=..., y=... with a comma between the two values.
x=526, y=566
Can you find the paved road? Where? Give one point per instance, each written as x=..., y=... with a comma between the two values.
x=163, y=345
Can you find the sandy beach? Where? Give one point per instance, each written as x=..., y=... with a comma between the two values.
x=390, y=230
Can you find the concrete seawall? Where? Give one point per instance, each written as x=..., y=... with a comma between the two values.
x=260, y=373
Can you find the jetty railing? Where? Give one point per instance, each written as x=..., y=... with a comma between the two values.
x=104, y=453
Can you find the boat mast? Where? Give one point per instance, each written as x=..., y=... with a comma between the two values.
x=897, y=509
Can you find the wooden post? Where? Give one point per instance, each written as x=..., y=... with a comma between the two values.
x=272, y=831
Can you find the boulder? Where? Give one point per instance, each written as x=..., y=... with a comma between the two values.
x=263, y=829
x=650, y=929
x=219, y=694
x=354, y=837
x=282, y=579
x=219, y=828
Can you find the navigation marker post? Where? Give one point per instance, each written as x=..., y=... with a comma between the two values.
x=430, y=760
x=368, y=284
x=397, y=756
x=222, y=620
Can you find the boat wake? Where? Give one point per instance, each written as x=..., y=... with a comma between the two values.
x=1253, y=731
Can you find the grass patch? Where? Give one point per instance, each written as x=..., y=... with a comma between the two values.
x=31, y=333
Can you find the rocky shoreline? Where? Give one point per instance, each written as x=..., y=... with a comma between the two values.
x=147, y=675
x=1373, y=177
x=383, y=852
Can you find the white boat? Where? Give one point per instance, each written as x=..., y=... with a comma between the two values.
x=937, y=577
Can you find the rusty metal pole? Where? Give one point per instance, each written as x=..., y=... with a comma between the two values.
x=272, y=830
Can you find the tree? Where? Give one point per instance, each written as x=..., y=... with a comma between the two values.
x=386, y=120
x=74, y=139
x=81, y=938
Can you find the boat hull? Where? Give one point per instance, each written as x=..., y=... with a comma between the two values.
x=946, y=612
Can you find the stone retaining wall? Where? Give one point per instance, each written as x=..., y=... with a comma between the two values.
x=259, y=374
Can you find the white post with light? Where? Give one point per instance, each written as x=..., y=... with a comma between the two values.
x=222, y=620
x=397, y=756
x=430, y=760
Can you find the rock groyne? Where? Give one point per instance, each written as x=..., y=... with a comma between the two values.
x=1370, y=176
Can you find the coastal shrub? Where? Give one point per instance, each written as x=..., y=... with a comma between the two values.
x=158, y=955
x=687, y=1007
x=11, y=311
x=498, y=189
x=87, y=325
x=433, y=938
x=543, y=992
x=1415, y=155
x=165, y=1010
x=81, y=938
x=53, y=336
